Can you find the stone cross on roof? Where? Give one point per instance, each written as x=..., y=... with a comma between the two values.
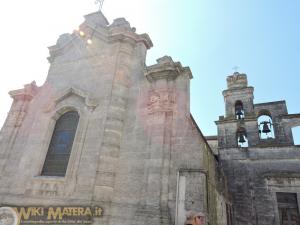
x=100, y=3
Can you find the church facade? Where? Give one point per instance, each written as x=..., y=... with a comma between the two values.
x=107, y=131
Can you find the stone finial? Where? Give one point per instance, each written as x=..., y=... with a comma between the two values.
x=237, y=80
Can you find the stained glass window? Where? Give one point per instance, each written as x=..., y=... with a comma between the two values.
x=61, y=145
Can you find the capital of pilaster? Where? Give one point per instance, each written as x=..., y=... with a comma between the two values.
x=26, y=93
x=167, y=69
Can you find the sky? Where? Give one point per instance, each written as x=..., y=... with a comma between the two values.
x=262, y=38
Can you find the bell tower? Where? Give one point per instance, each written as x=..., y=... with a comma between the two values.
x=238, y=127
x=238, y=97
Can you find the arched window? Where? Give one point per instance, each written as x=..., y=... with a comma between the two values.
x=265, y=126
x=241, y=137
x=239, y=110
x=61, y=145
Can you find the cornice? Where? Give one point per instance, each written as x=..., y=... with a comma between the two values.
x=132, y=38
x=167, y=69
x=249, y=90
x=233, y=120
x=26, y=93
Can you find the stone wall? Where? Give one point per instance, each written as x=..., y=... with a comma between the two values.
x=254, y=176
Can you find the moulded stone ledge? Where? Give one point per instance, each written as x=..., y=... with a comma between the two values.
x=26, y=93
x=167, y=69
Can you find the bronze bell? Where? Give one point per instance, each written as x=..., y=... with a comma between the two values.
x=239, y=113
x=242, y=138
x=266, y=128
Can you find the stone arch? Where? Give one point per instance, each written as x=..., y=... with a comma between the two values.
x=296, y=134
x=239, y=110
x=265, y=125
x=264, y=112
x=60, y=147
x=241, y=138
x=62, y=110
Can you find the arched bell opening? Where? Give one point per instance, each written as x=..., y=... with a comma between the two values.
x=241, y=137
x=239, y=110
x=265, y=126
x=296, y=135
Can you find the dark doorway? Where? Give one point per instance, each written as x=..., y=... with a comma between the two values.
x=288, y=208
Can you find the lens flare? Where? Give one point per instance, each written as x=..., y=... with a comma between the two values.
x=81, y=33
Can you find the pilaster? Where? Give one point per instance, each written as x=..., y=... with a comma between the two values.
x=15, y=118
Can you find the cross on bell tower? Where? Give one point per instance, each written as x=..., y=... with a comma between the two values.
x=235, y=68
